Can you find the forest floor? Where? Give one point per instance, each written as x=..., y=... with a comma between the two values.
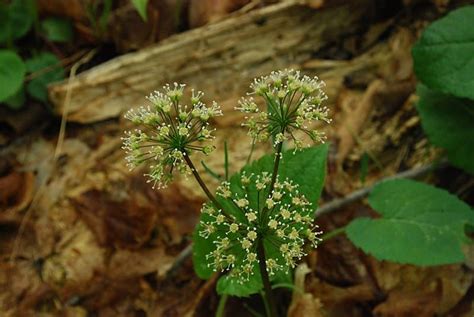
x=81, y=235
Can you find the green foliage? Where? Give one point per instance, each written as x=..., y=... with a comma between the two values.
x=16, y=19
x=306, y=168
x=57, y=29
x=444, y=55
x=12, y=72
x=448, y=122
x=420, y=224
x=99, y=15
x=17, y=100
x=140, y=6
x=230, y=286
x=48, y=69
x=364, y=167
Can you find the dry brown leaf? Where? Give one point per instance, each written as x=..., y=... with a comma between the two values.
x=16, y=191
x=124, y=23
x=302, y=303
x=121, y=224
x=205, y=11
x=452, y=280
x=379, y=94
x=416, y=303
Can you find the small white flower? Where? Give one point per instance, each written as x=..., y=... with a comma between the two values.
x=293, y=101
x=270, y=203
x=236, y=237
x=242, y=203
x=252, y=235
x=169, y=131
x=234, y=227
x=273, y=224
x=251, y=216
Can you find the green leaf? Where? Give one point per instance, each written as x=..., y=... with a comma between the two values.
x=306, y=168
x=448, y=123
x=16, y=19
x=12, y=72
x=140, y=6
x=230, y=286
x=444, y=55
x=420, y=224
x=48, y=70
x=58, y=29
x=17, y=100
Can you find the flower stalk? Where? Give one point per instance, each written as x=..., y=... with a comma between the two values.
x=258, y=226
x=267, y=286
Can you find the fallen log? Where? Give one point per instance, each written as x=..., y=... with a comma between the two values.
x=216, y=58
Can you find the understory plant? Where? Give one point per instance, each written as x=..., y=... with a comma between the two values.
x=260, y=222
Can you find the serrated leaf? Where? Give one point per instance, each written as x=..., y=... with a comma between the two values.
x=141, y=6
x=449, y=123
x=57, y=29
x=49, y=70
x=306, y=168
x=444, y=55
x=12, y=72
x=420, y=224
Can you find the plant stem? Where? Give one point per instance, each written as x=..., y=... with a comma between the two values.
x=267, y=287
x=275, y=166
x=221, y=307
x=203, y=186
x=270, y=302
x=333, y=233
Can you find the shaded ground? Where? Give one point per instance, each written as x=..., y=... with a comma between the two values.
x=83, y=236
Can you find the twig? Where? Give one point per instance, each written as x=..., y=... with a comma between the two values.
x=42, y=185
x=337, y=203
x=180, y=259
x=361, y=193
x=67, y=100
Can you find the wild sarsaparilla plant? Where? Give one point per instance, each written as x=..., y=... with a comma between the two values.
x=260, y=222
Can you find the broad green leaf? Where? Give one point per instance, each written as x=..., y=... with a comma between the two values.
x=58, y=29
x=306, y=168
x=420, y=224
x=449, y=123
x=230, y=286
x=17, y=100
x=140, y=6
x=12, y=72
x=16, y=19
x=444, y=55
x=46, y=69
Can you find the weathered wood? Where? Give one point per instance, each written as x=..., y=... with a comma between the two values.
x=219, y=58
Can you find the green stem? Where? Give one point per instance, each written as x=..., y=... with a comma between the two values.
x=333, y=233
x=203, y=185
x=267, y=287
x=251, y=152
x=276, y=165
x=221, y=307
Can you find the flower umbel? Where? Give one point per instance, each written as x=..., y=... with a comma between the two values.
x=169, y=131
x=293, y=103
x=281, y=218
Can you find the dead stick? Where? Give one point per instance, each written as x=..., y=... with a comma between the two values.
x=361, y=193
